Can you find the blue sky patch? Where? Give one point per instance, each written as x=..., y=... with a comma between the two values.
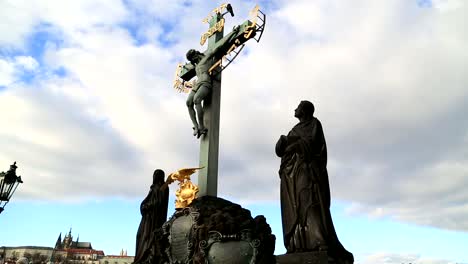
x=44, y=35
x=133, y=30
x=142, y=20
x=187, y=3
x=166, y=39
x=267, y=6
x=27, y=76
x=425, y=3
x=60, y=72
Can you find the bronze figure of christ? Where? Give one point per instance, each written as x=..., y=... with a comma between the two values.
x=203, y=62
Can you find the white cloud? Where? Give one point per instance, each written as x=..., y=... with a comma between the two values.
x=447, y=5
x=26, y=62
x=20, y=18
x=11, y=69
x=388, y=81
x=7, y=70
x=389, y=258
x=389, y=86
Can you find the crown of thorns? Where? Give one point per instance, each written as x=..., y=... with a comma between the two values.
x=191, y=53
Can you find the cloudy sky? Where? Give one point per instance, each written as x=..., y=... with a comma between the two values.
x=88, y=112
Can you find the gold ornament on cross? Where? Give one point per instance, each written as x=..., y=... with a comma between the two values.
x=187, y=191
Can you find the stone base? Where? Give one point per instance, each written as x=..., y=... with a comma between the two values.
x=217, y=231
x=317, y=257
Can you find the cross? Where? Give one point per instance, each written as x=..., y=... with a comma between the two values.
x=219, y=49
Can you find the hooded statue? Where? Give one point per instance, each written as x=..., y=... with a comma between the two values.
x=153, y=215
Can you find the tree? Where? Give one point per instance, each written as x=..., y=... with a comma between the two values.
x=43, y=258
x=36, y=258
x=28, y=256
x=14, y=256
x=57, y=258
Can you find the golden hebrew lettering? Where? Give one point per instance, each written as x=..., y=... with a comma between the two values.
x=248, y=33
x=203, y=39
x=215, y=11
x=254, y=12
x=177, y=82
x=219, y=9
x=219, y=26
x=215, y=65
x=250, y=29
x=233, y=47
x=181, y=86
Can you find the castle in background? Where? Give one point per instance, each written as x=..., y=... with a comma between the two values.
x=75, y=251
x=68, y=242
x=66, y=251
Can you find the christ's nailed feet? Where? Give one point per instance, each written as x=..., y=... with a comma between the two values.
x=202, y=131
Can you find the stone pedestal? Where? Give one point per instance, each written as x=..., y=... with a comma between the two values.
x=318, y=257
x=216, y=231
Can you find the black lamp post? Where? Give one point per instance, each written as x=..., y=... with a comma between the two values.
x=8, y=184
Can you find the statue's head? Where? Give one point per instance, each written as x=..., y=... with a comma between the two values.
x=194, y=56
x=158, y=177
x=305, y=110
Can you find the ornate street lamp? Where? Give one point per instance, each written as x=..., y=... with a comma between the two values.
x=8, y=184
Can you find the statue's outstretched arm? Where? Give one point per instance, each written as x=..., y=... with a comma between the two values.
x=226, y=41
x=189, y=66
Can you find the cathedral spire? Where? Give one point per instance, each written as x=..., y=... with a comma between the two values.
x=58, y=244
x=68, y=240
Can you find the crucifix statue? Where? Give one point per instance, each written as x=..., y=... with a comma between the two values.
x=203, y=86
x=204, y=97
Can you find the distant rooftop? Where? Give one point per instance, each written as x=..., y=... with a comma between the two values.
x=28, y=247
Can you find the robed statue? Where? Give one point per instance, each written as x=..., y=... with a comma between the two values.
x=153, y=215
x=305, y=190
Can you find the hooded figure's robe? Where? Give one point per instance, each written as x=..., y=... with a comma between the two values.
x=154, y=213
x=305, y=192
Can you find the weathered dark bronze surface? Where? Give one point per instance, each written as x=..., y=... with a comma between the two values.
x=202, y=62
x=305, y=190
x=154, y=213
x=316, y=257
x=179, y=237
x=233, y=252
x=233, y=223
x=221, y=232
